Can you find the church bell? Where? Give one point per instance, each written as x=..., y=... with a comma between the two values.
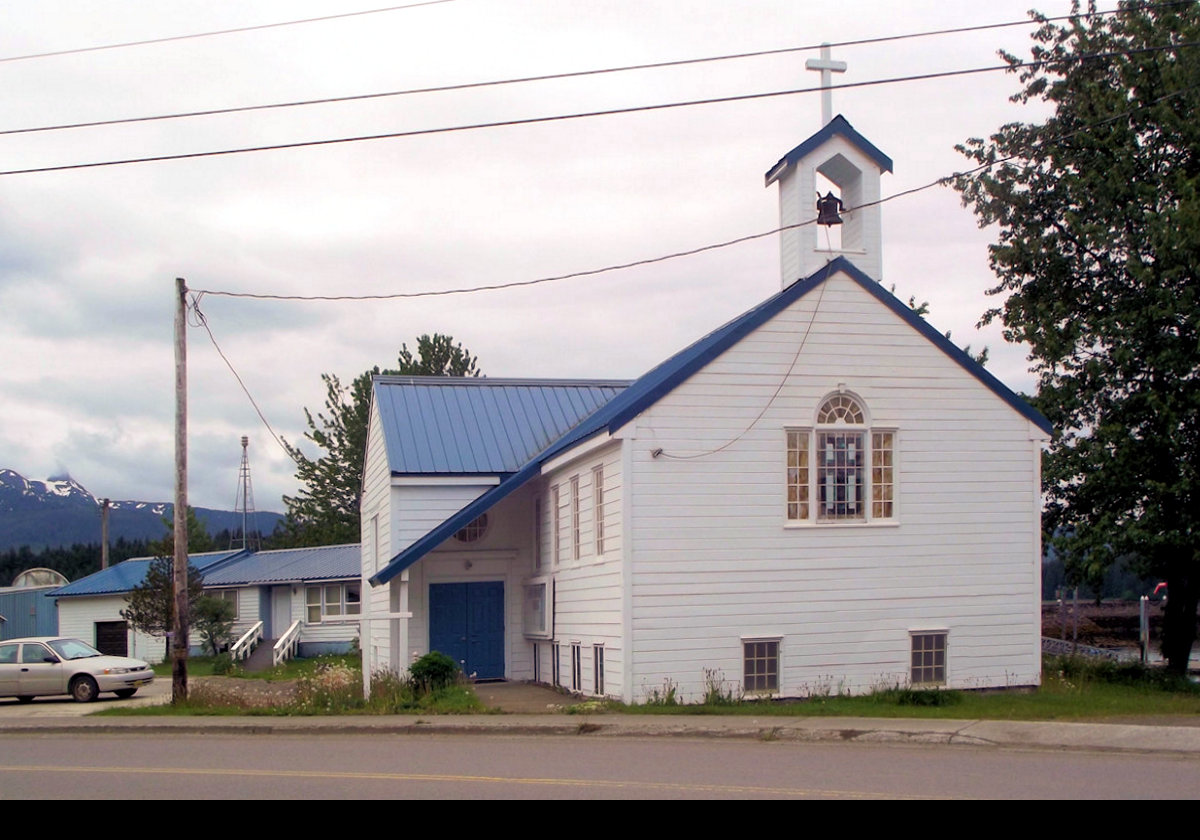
x=828, y=206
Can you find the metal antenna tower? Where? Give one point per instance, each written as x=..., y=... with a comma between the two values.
x=244, y=504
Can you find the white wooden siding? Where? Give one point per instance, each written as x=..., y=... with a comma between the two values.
x=714, y=559
x=77, y=618
x=588, y=591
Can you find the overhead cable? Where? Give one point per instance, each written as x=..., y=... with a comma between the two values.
x=526, y=79
x=169, y=38
x=581, y=115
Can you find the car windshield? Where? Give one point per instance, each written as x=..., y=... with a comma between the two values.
x=73, y=649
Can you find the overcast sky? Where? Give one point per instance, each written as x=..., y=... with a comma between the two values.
x=88, y=257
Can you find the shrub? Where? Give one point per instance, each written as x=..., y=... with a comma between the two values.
x=433, y=671
x=223, y=664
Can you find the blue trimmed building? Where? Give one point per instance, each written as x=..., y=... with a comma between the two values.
x=270, y=590
x=823, y=494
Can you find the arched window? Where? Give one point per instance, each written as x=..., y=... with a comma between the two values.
x=841, y=470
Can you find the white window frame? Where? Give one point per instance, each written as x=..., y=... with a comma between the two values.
x=576, y=666
x=576, y=530
x=598, y=509
x=924, y=660
x=556, y=536
x=751, y=651
x=230, y=595
x=598, y=670
x=807, y=474
x=537, y=534
x=538, y=615
x=343, y=611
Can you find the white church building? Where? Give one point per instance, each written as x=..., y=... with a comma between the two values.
x=822, y=495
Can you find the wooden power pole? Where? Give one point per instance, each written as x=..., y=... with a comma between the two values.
x=179, y=634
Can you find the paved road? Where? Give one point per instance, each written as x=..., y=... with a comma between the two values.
x=578, y=767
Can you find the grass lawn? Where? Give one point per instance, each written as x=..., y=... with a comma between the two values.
x=1071, y=690
x=202, y=666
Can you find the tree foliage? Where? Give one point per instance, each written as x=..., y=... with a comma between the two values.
x=213, y=619
x=1098, y=212
x=326, y=510
x=151, y=604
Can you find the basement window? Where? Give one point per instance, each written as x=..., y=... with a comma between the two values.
x=928, y=658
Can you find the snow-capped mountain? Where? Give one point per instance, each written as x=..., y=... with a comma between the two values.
x=60, y=511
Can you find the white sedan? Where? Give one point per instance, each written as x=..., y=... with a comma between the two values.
x=47, y=665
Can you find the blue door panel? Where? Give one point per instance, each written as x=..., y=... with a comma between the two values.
x=466, y=622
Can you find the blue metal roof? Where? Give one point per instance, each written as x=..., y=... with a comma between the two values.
x=453, y=425
x=838, y=125
x=129, y=574
x=326, y=562
x=655, y=384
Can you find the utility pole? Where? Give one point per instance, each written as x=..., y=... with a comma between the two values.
x=179, y=635
x=104, y=533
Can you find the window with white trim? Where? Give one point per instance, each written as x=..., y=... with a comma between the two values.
x=760, y=666
x=556, y=535
x=537, y=532
x=576, y=666
x=332, y=602
x=928, y=658
x=556, y=665
x=598, y=508
x=230, y=596
x=841, y=470
x=598, y=669
x=576, y=531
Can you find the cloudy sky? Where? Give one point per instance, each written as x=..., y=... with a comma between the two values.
x=88, y=257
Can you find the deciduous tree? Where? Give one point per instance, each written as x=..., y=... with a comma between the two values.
x=326, y=510
x=1098, y=260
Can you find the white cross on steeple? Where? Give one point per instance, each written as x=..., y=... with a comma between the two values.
x=827, y=67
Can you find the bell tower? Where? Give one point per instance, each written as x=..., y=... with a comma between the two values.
x=849, y=163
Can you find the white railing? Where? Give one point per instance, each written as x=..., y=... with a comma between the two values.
x=242, y=647
x=286, y=647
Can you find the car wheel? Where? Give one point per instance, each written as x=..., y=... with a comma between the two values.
x=125, y=693
x=25, y=698
x=84, y=688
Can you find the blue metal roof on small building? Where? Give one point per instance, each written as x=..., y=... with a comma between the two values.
x=839, y=126
x=126, y=576
x=655, y=384
x=452, y=425
x=327, y=562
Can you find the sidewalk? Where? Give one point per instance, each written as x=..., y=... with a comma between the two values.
x=534, y=716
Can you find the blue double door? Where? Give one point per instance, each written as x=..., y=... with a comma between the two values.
x=466, y=622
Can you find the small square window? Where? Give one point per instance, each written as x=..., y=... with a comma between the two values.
x=760, y=666
x=928, y=659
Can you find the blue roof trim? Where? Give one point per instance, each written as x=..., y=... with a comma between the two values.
x=660, y=381
x=838, y=125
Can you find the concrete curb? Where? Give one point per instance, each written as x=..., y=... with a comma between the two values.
x=1180, y=740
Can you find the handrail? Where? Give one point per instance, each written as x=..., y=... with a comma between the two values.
x=242, y=647
x=286, y=647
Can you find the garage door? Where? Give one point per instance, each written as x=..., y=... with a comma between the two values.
x=466, y=622
x=112, y=638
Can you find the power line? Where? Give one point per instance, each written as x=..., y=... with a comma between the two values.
x=169, y=38
x=540, y=78
x=586, y=114
x=691, y=251
x=202, y=321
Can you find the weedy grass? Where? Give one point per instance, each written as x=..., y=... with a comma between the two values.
x=1072, y=689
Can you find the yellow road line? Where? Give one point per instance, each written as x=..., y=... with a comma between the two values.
x=450, y=777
